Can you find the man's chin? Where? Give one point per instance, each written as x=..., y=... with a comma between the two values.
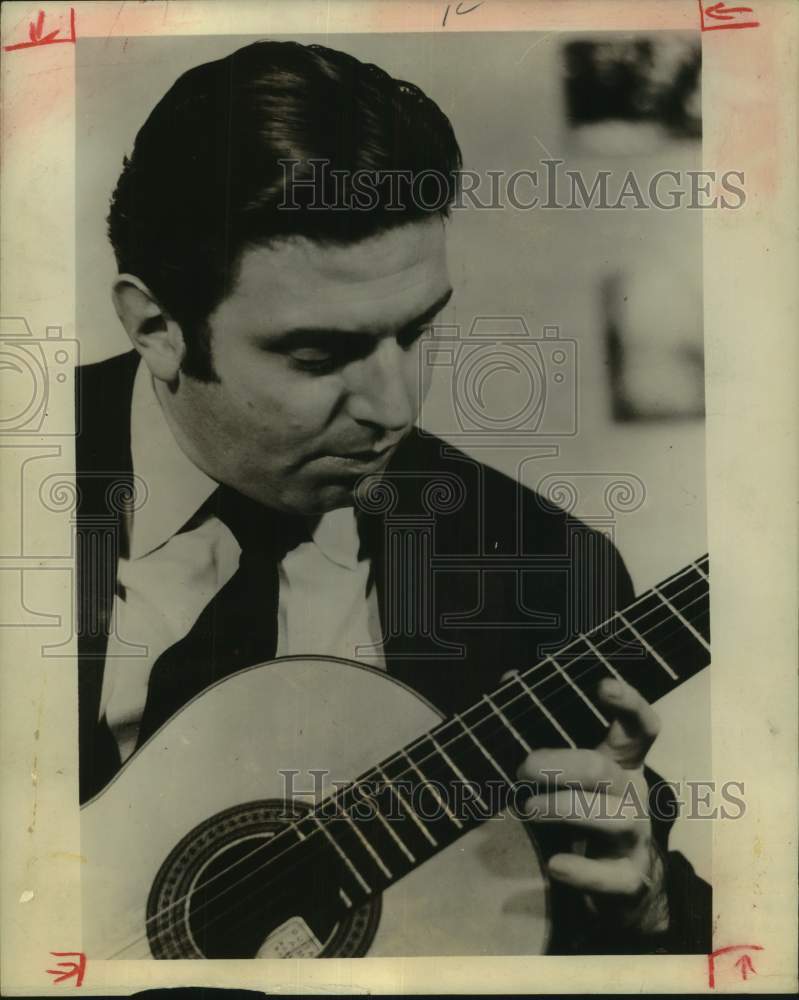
x=329, y=497
x=322, y=494
x=360, y=491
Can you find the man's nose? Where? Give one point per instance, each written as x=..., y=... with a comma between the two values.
x=383, y=390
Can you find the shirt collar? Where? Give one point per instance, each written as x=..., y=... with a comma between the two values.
x=176, y=488
x=336, y=536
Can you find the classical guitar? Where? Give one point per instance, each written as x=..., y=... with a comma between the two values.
x=256, y=823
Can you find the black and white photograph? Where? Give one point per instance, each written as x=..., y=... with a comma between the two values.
x=392, y=493
x=399, y=521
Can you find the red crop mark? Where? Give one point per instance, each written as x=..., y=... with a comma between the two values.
x=744, y=964
x=710, y=14
x=38, y=37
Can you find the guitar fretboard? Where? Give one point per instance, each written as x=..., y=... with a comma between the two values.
x=403, y=811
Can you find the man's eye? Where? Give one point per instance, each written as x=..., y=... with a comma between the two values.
x=312, y=360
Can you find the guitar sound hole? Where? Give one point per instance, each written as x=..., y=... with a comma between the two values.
x=230, y=890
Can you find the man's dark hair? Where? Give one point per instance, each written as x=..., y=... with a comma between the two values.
x=204, y=181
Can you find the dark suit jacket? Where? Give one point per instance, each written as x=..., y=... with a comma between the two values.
x=508, y=576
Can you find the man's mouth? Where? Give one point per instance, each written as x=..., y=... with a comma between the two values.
x=366, y=457
x=370, y=454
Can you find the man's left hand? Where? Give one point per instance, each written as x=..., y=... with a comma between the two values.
x=609, y=851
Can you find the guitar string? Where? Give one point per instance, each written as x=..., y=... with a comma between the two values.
x=501, y=727
x=287, y=890
x=260, y=887
x=284, y=871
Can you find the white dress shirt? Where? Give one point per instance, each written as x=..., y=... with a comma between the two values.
x=326, y=606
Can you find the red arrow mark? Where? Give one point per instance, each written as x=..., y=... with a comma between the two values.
x=724, y=13
x=38, y=38
x=745, y=963
x=35, y=31
x=69, y=970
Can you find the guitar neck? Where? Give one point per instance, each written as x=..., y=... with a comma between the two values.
x=405, y=809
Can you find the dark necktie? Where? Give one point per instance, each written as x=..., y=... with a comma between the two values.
x=238, y=626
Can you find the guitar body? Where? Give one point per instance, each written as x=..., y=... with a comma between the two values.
x=202, y=795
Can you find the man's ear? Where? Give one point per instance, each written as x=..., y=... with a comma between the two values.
x=157, y=337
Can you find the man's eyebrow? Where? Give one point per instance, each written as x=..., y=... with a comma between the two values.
x=297, y=335
x=429, y=313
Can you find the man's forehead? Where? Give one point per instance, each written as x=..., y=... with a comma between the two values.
x=385, y=278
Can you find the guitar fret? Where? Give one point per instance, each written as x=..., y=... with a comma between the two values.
x=508, y=724
x=499, y=769
x=545, y=711
x=650, y=649
x=468, y=751
x=578, y=689
x=457, y=770
x=602, y=659
x=381, y=845
x=397, y=839
x=684, y=586
x=364, y=884
x=384, y=819
x=408, y=807
x=431, y=789
x=684, y=620
x=354, y=826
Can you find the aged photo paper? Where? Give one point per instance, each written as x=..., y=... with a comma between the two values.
x=398, y=458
